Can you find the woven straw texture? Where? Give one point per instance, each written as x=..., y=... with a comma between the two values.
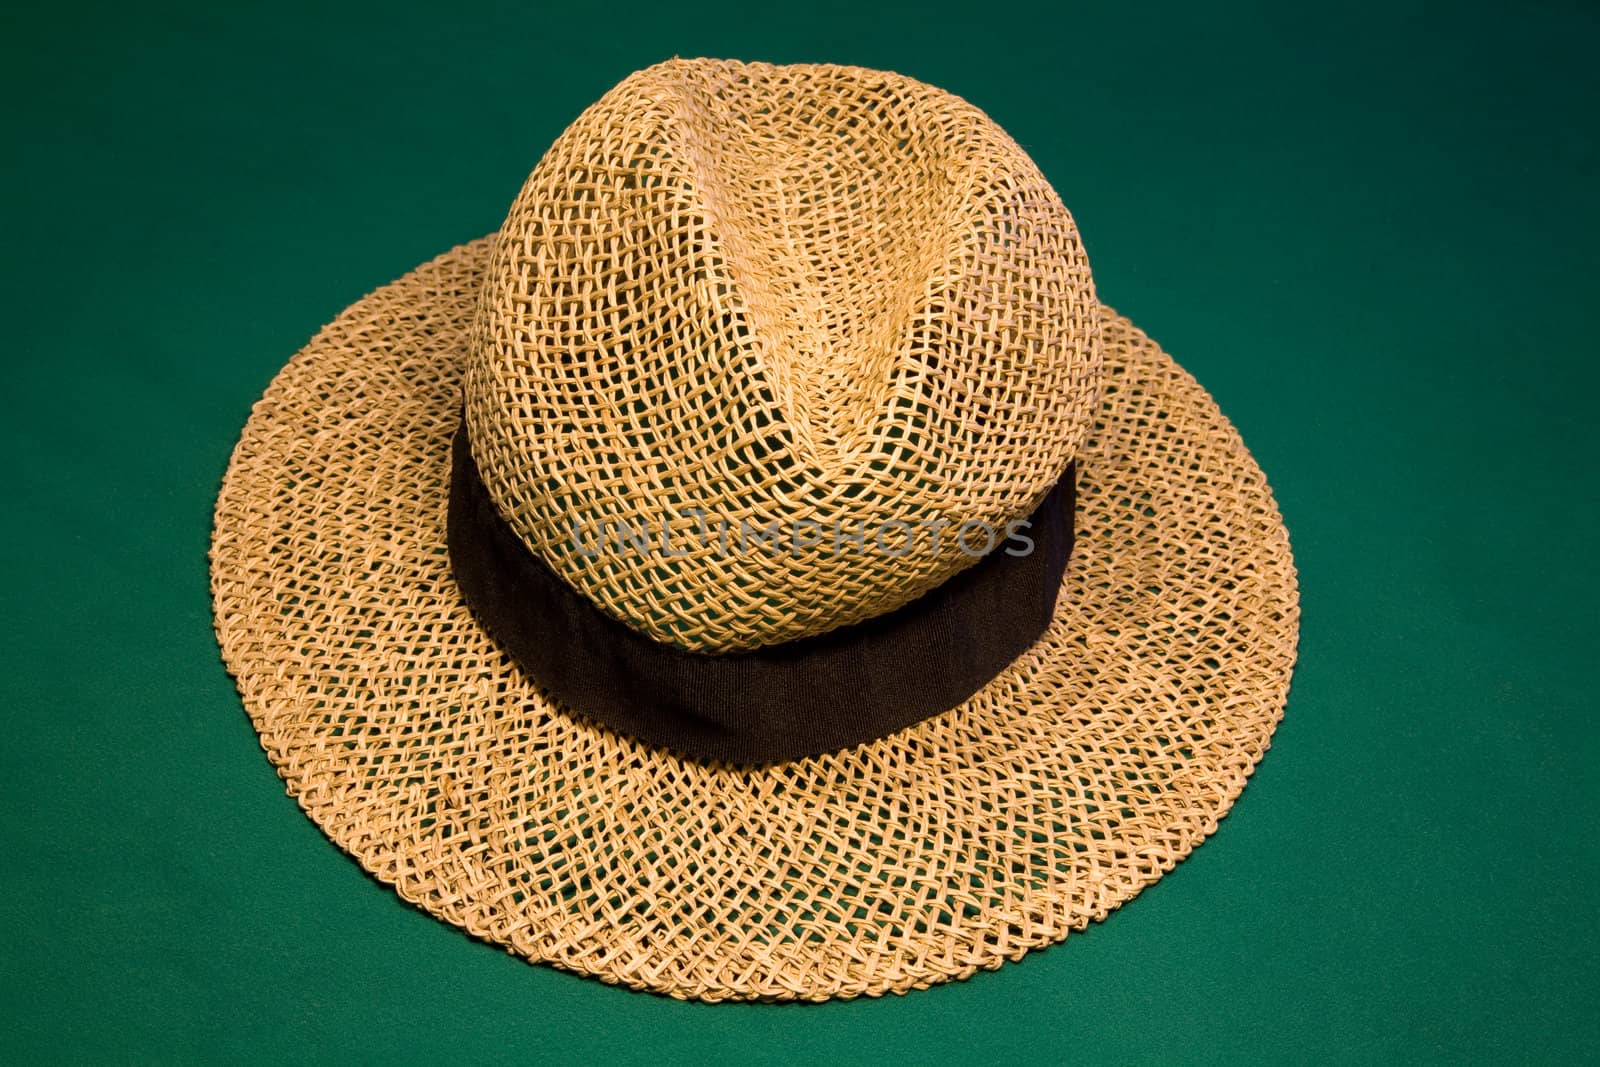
x=807, y=294
x=1081, y=774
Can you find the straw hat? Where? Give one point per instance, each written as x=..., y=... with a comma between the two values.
x=762, y=569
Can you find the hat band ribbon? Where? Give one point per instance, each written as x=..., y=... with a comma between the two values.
x=786, y=701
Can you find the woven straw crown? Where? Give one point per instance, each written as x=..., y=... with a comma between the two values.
x=743, y=293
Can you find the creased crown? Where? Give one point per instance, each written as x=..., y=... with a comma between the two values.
x=798, y=326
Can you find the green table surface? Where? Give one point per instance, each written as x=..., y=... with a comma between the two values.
x=1370, y=231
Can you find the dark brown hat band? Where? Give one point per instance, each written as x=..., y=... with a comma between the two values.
x=781, y=702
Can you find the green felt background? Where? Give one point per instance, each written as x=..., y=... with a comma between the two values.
x=1371, y=232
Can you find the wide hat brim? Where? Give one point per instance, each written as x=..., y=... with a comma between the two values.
x=1081, y=774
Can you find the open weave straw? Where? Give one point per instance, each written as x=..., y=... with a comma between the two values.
x=805, y=293
x=1079, y=775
